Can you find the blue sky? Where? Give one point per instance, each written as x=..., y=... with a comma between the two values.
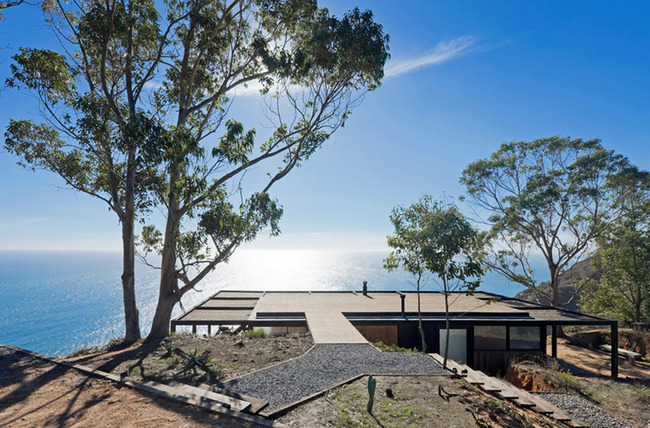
x=464, y=77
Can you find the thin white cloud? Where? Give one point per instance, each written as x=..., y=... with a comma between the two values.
x=443, y=52
x=252, y=88
x=151, y=84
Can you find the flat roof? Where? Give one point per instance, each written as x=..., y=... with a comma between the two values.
x=328, y=314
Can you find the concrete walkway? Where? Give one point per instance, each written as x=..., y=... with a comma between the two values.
x=331, y=326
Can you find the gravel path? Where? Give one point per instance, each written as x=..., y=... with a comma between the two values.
x=585, y=411
x=324, y=366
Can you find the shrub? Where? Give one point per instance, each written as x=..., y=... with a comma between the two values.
x=257, y=333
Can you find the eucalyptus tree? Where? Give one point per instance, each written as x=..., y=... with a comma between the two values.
x=623, y=257
x=172, y=74
x=551, y=197
x=92, y=94
x=433, y=237
x=314, y=67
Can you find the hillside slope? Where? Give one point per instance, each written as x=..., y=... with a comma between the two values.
x=578, y=272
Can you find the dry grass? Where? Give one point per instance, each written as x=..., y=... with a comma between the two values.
x=192, y=358
x=415, y=401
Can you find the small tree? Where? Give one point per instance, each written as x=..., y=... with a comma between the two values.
x=550, y=196
x=623, y=257
x=434, y=237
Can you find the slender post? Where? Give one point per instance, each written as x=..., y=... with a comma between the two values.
x=554, y=341
x=614, y=328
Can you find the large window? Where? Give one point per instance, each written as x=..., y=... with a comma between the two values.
x=489, y=337
x=502, y=338
x=524, y=337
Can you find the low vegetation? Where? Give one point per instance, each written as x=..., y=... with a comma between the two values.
x=624, y=398
x=392, y=348
x=408, y=401
x=192, y=358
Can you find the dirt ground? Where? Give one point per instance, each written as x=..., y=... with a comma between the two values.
x=587, y=362
x=37, y=393
x=586, y=372
x=416, y=401
x=225, y=357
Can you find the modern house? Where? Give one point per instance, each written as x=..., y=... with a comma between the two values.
x=487, y=331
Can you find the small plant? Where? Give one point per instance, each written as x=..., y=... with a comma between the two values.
x=567, y=380
x=169, y=348
x=195, y=361
x=372, y=385
x=392, y=348
x=86, y=350
x=258, y=333
x=640, y=389
x=468, y=386
x=499, y=407
x=115, y=344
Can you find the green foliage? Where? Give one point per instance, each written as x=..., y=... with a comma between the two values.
x=258, y=333
x=623, y=257
x=392, y=348
x=201, y=362
x=497, y=406
x=435, y=237
x=372, y=385
x=141, y=86
x=169, y=348
x=552, y=195
x=5, y=5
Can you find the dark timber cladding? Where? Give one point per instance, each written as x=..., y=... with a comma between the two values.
x=488, y=330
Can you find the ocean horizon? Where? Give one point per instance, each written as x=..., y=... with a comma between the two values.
x=58, y=301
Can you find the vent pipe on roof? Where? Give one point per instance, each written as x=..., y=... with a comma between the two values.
x=365, y=288
x=402, y=297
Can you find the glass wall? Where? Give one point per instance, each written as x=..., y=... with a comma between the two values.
x=490, y=337
x=524, y=337
x=502, y=338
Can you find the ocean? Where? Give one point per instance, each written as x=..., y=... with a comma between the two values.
x=57, y=302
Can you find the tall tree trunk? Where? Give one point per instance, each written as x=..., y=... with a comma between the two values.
x=637, y=304
x=131, y=314
x=447, y=323
x=168, y=291
x=424, y=342
x=555, y=286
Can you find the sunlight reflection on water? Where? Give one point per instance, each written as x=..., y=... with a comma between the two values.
x=56, y=302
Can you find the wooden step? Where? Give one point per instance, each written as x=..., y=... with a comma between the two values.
x=256, y=404
x=203, y=395
x=510, y=392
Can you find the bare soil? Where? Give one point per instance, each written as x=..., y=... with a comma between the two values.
x=587, y=372
x=584, y=361
x=36, y=393
x=416, y=401
x=224, y=357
